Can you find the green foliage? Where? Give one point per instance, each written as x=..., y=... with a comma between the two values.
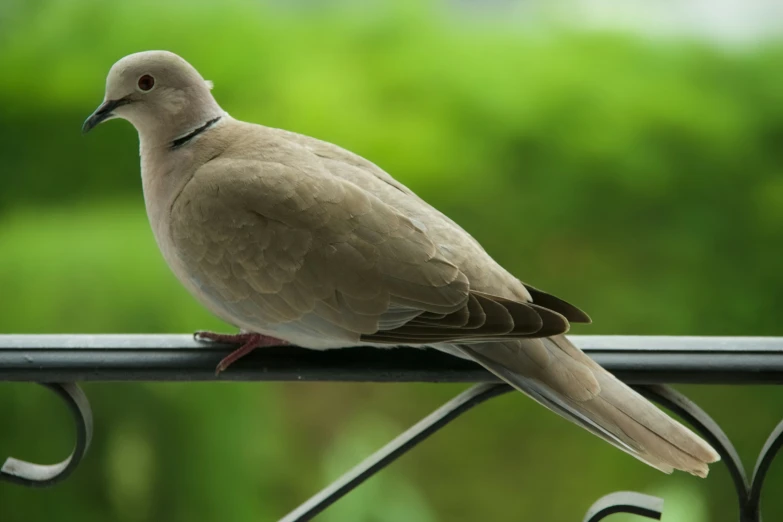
x=641, y=180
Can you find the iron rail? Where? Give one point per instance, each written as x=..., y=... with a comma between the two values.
x=634, y=359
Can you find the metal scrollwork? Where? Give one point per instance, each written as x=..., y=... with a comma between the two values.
x=629, y=502
x=748, y=491
x=39, y=475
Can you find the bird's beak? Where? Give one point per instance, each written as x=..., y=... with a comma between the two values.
x=103, y=113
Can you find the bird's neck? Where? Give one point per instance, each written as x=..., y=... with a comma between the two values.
x=177, y=115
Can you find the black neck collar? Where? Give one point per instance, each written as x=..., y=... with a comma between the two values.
x=192, y=134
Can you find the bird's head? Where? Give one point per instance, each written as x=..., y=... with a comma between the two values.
x=160, y=93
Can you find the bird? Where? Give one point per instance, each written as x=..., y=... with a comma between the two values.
x=296, y=241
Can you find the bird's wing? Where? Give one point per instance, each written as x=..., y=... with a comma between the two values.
x=295, y=244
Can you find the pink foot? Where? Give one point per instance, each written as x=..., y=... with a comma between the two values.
x=248, y=342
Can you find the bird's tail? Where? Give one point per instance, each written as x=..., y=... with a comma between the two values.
x=561, y=377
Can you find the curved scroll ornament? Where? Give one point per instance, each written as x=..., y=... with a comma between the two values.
x=39, y=475
x=629, y=502
x=748, y=491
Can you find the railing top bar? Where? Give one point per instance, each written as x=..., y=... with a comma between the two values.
x=588, y=343
x=635, y=359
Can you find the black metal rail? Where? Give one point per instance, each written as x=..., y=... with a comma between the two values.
x=648, y=363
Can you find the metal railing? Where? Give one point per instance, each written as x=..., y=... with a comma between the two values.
x=649, y=364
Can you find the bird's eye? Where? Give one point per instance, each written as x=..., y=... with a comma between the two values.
x=146, y=82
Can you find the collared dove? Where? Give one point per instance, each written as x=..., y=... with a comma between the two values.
x=299, y=241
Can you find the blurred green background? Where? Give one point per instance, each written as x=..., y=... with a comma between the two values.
x=638, y=177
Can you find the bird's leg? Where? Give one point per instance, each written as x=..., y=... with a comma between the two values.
x=248, y=342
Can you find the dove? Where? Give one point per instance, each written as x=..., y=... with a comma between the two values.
x=297, y=241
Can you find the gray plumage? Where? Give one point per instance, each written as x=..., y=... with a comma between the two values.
x=298, y=239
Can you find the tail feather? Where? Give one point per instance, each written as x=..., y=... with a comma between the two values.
x=561, y=377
